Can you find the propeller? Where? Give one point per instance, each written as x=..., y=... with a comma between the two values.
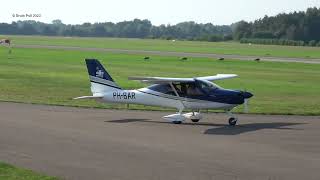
x=246, y=96
x=246, y=105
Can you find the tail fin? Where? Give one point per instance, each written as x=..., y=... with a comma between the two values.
x=100, y=80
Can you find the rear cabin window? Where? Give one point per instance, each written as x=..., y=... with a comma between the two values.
x=162, y=88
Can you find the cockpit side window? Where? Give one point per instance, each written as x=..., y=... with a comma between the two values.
x=193, y=90
x=184, y=89
x=162, y=88
x=180, y=88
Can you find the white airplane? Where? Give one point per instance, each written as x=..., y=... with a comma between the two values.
x=180, y=93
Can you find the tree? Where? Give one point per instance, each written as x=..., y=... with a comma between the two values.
x=243, y=29
x=312, y=43
x=297, y=28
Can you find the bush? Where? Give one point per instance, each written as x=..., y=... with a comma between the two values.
x=227, y=37
x=263, y=35
x=312, y=43
x=284, y=42
x=211, y=38
x=215, y=38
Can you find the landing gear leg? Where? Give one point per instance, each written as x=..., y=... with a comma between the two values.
x=232, y=120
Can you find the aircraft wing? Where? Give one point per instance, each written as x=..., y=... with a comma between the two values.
x=217, y=77
x=160, y=80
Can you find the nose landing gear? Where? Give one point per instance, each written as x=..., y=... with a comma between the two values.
x=193, y=116
x=232, y=120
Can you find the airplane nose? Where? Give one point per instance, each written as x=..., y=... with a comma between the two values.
x=246, y=95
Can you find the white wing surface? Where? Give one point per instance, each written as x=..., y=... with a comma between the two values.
x=218, y=77
x=161, y=80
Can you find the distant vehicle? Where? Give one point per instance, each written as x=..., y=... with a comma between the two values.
x=180, y=93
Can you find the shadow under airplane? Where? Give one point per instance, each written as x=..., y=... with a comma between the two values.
x=222, y=129
x=126, y=120
x=244, y=128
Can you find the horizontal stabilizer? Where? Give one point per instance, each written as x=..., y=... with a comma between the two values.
x=90, y=97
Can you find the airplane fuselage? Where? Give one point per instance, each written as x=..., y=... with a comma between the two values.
x=145, y=96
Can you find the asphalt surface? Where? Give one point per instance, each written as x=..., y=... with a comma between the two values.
x=178, y=54
x=79, y=143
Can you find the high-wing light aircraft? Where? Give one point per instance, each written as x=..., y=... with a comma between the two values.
x=180, y=93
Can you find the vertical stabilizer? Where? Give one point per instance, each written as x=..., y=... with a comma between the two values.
x=100, y=79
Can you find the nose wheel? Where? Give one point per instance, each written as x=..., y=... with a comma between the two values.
x=233, y=121
x=195, y=120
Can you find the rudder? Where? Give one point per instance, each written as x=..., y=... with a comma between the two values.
x=100, y=79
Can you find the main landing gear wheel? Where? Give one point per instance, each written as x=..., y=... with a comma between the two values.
x=176, y=122
x=233, y=121
x=195, y=120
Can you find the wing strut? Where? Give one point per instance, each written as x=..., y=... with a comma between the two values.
x=175, y=91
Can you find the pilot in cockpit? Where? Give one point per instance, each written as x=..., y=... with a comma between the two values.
x=192, y=90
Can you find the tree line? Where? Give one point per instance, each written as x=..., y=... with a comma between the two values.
x=128, y=29
x=297, y=28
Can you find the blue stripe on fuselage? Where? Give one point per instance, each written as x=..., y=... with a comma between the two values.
x=219, y=95
x=226, y=96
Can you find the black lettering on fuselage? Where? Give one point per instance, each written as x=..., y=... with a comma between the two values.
x=124, y=95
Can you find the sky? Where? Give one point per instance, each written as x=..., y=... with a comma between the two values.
x=219, y=12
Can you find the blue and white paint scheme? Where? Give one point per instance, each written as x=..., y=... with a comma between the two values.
x=180, y=93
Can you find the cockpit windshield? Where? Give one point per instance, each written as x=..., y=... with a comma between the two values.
x=186, y=89
x=207, y=86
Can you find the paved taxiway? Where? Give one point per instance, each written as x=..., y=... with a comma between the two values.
x=177, y=54
x=78, y=143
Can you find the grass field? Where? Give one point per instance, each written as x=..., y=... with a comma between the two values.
x=56, y=76
x=178, y=46
x=8, y=172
